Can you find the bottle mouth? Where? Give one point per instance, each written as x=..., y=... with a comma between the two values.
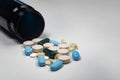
x=30, y=25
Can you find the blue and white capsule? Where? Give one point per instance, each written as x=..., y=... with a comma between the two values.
x=75, y=55
x=28, y=50
x=41, y=61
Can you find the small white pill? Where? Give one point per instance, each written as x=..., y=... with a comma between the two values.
x=46, y=57
x=64, y=58
x=28, y=43
x=33, y=55
x=47, y=45
x=53, y=48
x=63, y=46
x=36, y=40
x=48, y=62
x=63, y=51
x=37, y=48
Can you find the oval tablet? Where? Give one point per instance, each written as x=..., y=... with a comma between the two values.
x=36, y=40
x=63, y=51
x=47, y=45
x=56, y=65
x=28, y=43
x=33, y=55
x=64, y=58
x=75, y=55
x=63, y=46
x=41, y=61
x=53, y=48
x=28, y=50
x=37, y=48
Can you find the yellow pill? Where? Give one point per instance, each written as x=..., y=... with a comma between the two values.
x=73, y=45
x=48, y=62
x=40, y=54
x=63, y=41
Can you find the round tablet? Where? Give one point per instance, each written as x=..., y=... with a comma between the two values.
x=48, y=62
x=33, y=55
x=47, y=45
x=36, y=40
x=64, y=58
x=53, y=48
x=63, y=46
x=28, y=43
x=63, y=51
x=37, y=48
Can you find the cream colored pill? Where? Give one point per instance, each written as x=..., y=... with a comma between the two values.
x=37, y=48
x=48, y=62
x=63, y=41
x=53, y=48
x=63, y=51
x=28, y=43
x=63, y=46
x=33, y=55
x=47, y=45
x=64, y=58
x=36, y=40
x=40, y=54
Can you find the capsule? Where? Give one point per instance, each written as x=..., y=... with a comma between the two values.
x=75, y=55
x=56, y=43
x=56, y=65
x=41, y=61
x=46, y=40
x=28, y=50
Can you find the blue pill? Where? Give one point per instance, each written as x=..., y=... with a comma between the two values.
x=41, y=61
x=56, y=43
x=28, y=50
x=75, y=55
x=56, y=65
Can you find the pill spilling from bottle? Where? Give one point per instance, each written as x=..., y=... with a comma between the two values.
x=51, y=53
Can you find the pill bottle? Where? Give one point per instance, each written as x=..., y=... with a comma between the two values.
x=20, y=20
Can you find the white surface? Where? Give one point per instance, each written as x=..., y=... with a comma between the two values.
x=93, y=24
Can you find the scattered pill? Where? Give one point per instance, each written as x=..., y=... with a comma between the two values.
x=40, y=54
x=63, y=46
x=37, y=48
x=53, y=48
x=63, y=51
x=46, y=40
x=56, y=43
x=28, y=50
x=28, y=43
x=48, y=62
x=33, y=55
x=63, y=41
x=47, y=45
x=73, y=45
x=75, y=55
x=64, y=58
x=56, y=65
x=41, y=61
x=36, y=40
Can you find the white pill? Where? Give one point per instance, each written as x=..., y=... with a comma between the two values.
x=63, y=46
x=28, y=43
x=47, y=45
x=37, y=48
x=63, y=51
x=48, y=62
x=33, y=55
x=64, y=58
x=53, y=48
x=36, y=40
x=46, y=57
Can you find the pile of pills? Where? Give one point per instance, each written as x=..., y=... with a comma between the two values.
x=51, y=53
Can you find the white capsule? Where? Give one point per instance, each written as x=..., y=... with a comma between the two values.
x=37, y=48
x=36, y=40
x=63, y=51
x=63, y=46
x=28, y=43
x=33, y=55
x=64, y=58
x=47, y=45
x=53, y=48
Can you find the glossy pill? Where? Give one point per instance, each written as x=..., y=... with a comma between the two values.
x=63, y=51
x=28, y=43
x=64, y=58
x=75, y=55
x=56, y=43
x=41, y=61
x=56, y=65
x=28, y=50
x=37, y=48
x=46, y=40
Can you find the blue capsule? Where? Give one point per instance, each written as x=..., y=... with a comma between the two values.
x=56, y=65
x=41, y=61
x=56, y=43
x=28, y=50
x=75, y=55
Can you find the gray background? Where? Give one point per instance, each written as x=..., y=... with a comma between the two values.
x=93, y=24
